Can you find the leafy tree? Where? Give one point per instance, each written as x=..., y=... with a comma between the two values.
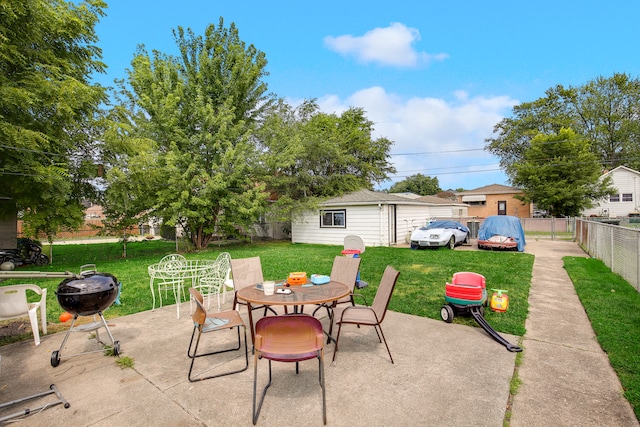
x=196, y=113
x=48, y=108
x=309, y=155
x=418, y=184
x=560, y=174
x=605, y=112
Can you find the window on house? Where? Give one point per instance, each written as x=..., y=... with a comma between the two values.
x=477, y=203
x=333, y=219
x=614, y=198
x=627, y=197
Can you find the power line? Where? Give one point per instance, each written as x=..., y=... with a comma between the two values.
x=436, y=152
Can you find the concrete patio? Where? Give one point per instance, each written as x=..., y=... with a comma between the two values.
x=444, y=374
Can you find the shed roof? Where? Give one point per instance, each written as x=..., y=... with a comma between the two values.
x=368, y=197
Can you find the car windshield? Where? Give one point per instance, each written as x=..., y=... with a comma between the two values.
x=442, y=224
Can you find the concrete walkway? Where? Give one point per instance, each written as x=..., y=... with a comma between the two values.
x=566, y=377
x=444, y=374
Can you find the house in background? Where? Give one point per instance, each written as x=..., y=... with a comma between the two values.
x=495, y=199
x=380, y=219
x=625, y=201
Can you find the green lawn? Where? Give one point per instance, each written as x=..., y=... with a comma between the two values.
x=613, y=307
x=419, y=291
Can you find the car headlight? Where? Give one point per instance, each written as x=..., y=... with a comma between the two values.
x=434, y=236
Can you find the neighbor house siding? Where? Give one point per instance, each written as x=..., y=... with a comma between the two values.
x=626, y=181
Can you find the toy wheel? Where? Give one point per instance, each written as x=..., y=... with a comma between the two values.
x=55, y=358
x=116, y=348
x=446, y=312
x=452, y=242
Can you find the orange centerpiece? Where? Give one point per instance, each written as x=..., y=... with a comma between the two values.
x=297, y=278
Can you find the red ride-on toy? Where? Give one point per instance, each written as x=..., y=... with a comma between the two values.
x=467, y=293
x=466, y=290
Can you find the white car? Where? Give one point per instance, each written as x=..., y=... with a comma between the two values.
x=440, y=233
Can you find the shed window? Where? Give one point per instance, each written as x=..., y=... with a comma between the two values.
x=614, y=198
x=333, y=219
x=627, y=197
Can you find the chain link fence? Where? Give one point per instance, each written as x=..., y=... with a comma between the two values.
x=616, y=245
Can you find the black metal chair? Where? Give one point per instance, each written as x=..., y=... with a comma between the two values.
x=220, y=321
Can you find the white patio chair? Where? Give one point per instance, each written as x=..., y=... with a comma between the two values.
x=14, y=304
x=170, y=274
x=216, y=279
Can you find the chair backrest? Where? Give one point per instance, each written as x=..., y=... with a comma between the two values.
x=345, y=270
x=246, y=272
x=469, y=278
x=13, y=300
x=289, y=335
x=172, y=265
x=383, y=294
x=223, y=263
x=200, y=313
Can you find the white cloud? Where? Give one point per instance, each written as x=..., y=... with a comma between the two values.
x=392, y=45
x=433, y=130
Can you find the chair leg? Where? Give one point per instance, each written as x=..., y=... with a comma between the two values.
x=194, y=355
x=385, y=342
x=324, y=397
x=256, y=412
x=335, y=347
x=34, y=326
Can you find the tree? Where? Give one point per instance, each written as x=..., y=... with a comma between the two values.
x=418, y=184
x=310, y=155
x=196, y=113
x=48, y=108
x=605, y=112
x=560, y=174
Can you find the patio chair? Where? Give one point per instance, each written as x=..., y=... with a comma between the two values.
x=288, y=338
x=170, y=275
x=215, y=279
x=371, y=316
x=203, y=323
x=14, y=304
x=247, y=272
x=344, y=270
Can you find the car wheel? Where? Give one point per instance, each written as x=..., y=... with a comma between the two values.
x=466, y=239
x=413, y=246
x=452, y=242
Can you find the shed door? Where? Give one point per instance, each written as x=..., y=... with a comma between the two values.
x=392, y=225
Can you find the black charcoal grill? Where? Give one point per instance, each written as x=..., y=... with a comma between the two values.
x=87, y=295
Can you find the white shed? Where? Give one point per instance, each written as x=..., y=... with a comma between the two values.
x=380, y=219
x=625, y=201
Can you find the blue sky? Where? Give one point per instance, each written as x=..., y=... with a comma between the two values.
x=433, y=77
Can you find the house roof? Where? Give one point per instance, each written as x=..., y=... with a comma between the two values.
x=368, y=197
x=439, y=201
x=620, y=168
x=491, y=189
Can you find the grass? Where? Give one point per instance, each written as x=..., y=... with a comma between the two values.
x=419, y=291
x=613, y=307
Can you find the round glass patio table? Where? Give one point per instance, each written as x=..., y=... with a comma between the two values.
x=308, y=294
